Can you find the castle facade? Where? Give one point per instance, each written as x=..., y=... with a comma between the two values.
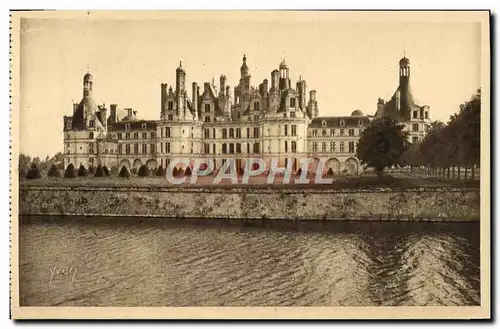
x=272, y=121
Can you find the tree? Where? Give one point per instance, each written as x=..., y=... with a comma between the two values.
x=24, y=165
x=70, y=171
x=99, y=171
x=105, y=170
x=143, y=171
x=160, y=172
x=82, y=172
x=124, y=172
x=53, y=171
x=382, y=144
x=33, y=172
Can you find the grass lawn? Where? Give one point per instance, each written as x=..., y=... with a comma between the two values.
x=394, y=180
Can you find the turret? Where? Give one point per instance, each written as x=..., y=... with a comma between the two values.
x=87, y=85
x=112, y=114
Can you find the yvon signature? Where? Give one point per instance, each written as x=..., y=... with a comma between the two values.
x=66, y=271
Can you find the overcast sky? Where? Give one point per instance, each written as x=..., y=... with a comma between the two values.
x=349, y=63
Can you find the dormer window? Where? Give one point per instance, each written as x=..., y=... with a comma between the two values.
x=91, y=123
x=170, y=106
x=292, y=114
x=360, y=122
x=256, y=106
x=342, y=122
x=144, y=125
x=127, y=126
x=323, y=123
x=207, y=108
x=292, y=102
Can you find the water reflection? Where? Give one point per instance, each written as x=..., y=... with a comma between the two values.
x=130, y=262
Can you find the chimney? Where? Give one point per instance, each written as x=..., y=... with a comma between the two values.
x=275, y=76
x=195, y=97
x=301, y=89
x=75, y=107
x=164, y=93
x=129, y=112
x=312, y=96
x=222, y=84
x=112, y=113
x=102, y=116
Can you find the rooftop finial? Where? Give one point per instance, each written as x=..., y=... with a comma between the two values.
x=180, y=63
x=404, y=53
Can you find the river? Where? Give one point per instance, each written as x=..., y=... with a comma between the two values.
x=130, y=262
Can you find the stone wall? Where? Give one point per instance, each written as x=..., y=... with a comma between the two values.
x=257, y=203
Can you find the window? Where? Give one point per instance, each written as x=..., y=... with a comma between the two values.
x=315, y=133
x=286, y=130
x=342, y=147
x=421, y=113
x=342, y=122
x=256, y=106
x=170, y=117
x=207, y=108
x=206, y=148
x=238, y=148
x=224, y=148
x=206, y=133
x=238, y=133
x=294, y=130
x=161, y=132
x=144, y=125
x=231, y=133
x=332, y=132
x=144, y=148
x=170, y=106
x=341, y=132
x=414, y=139
x=238, y=115
x=136, y=148
x=127, y=135
x=415, y=114
x=231, y=148
x=360, y=122
x=292, y=114
x=91, y=123
x=167, y=147
x=332, y=147
x=351, y=147
x=323, y=147
x=127, y=126
x=256, y=132
x=120, y=149
x=207, y=119
x=91, y=135
x=351, y=132
x=119, y=135
x=161, y=147
x=153, y=135
x=248, y=147
x=248, y=134
x=213, y=133
x=315, y=147
x=426, y=115
x=224, y=133
x=256, y=148
x=167, y=132
x=91, y=148
x=292, y=102
x=323, y=132
x=256, y=117
x=294, y=146
x=152, y=148
x=127, y=148
x=414, y=127
x=286, y=146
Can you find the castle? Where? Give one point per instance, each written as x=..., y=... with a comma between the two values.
x=276, y=121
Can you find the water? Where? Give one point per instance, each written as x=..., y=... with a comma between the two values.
x=129, y=262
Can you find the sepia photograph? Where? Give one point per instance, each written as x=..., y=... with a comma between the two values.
x=250, y=164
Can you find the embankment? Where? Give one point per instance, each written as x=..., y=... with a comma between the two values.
x=415, y=204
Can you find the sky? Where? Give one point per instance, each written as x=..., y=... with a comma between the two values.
x=349, y=63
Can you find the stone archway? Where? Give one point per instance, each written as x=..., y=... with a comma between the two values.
x=152, y=164
x=137, y=164
x=352, y=166
x=334, y=165
x=125, y=163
